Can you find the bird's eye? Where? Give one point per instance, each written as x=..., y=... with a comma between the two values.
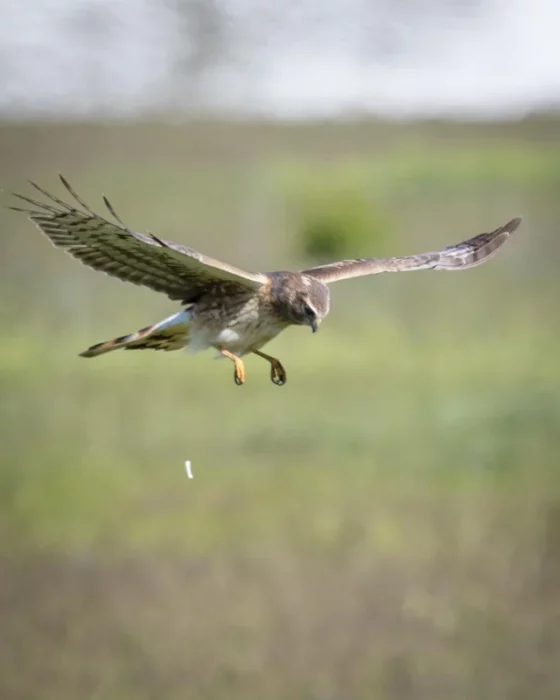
x=309, y=311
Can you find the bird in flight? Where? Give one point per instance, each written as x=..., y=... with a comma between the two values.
x=231, y=310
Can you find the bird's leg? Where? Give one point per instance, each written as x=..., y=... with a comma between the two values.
x=277, y=372
x=239, y=373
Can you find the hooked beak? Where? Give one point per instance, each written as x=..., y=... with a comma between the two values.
x=315, y=324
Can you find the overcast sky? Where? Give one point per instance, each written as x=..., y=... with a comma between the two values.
x=475, y=58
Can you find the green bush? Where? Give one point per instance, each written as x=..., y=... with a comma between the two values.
x=335, y=212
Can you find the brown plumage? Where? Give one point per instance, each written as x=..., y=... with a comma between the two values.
x=455, y=257
x=229, y=309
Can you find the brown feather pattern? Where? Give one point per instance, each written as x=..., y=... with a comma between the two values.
x=178, y=271
x=455, y=257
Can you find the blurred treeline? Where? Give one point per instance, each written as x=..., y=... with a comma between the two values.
x=387, y=525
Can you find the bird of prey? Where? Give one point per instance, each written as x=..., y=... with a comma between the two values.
x=231, y=310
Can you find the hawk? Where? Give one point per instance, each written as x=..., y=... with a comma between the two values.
x=231, y=310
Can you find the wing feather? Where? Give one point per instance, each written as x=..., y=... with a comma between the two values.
x=460, y=256
x=178, y=271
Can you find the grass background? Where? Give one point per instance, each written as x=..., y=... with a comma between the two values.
x=387, y=525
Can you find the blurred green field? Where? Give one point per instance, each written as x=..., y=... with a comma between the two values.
x=385, y=526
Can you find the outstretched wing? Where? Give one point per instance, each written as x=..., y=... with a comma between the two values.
x=180, y=272
x=455, y=257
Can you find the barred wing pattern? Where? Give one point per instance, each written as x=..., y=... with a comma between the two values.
x=460, y=256
x=144, y=259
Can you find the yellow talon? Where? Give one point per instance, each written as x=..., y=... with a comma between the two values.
x=277, y=372
x=239, y=371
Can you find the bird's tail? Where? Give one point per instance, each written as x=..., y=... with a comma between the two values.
x=169, y=334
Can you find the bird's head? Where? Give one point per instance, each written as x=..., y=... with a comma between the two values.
x=311, y=304
x=300, y=299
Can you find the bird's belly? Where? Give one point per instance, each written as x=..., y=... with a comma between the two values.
x=238, y=338
x=241, y=340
